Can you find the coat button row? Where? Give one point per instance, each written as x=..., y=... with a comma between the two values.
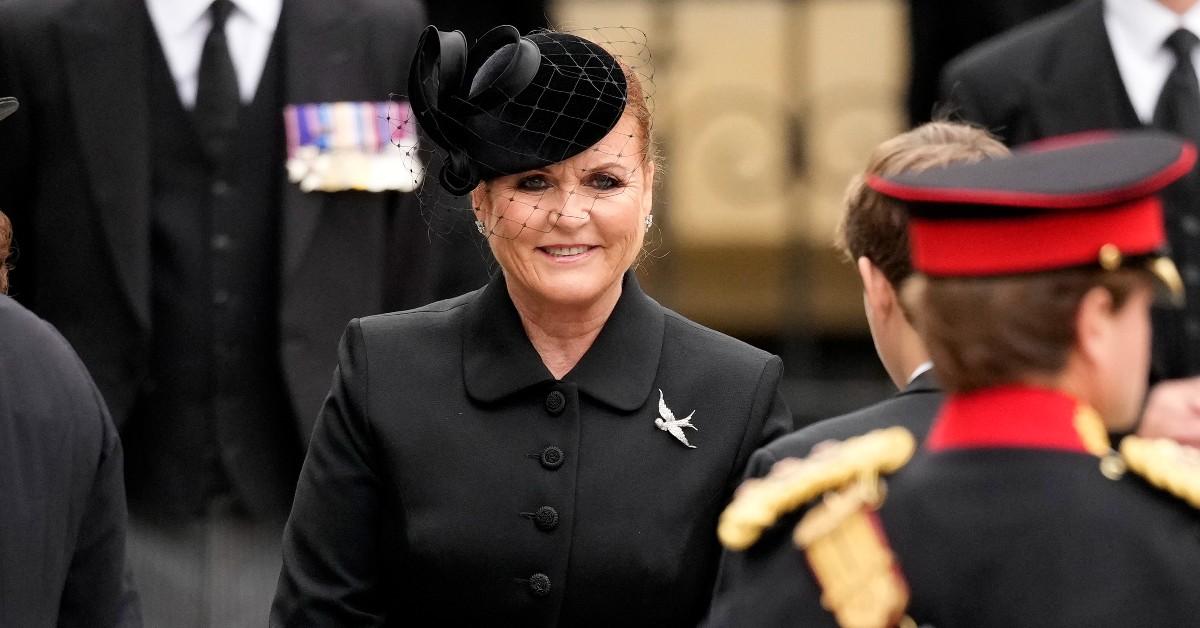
x=546, y=518
x=555, y=403
x=539, y=584
x=552, y=457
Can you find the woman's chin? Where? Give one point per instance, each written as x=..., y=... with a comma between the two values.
x=573, y=289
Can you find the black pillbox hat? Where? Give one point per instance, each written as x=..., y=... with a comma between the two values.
x=512, y=103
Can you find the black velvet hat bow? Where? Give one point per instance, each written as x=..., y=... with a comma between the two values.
x=510, y=103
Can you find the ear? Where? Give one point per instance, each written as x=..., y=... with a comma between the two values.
x=648, y=171
x=880, y=295
x=478, y=200
x=1094, y=325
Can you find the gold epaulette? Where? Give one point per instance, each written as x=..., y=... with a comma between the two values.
x=841, y=536
x=1166, y=464
x=793, y=482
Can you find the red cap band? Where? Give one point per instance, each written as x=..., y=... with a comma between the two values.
x=1007, y=245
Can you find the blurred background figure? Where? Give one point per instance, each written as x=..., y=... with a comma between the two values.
x=157, y=228
x=62, y=494
x=1103, y=64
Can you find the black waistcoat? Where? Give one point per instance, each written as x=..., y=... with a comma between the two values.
x=214, y=417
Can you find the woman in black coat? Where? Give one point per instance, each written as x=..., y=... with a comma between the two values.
x=553, y=449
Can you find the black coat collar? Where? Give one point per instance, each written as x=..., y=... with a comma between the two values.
x=618, y=370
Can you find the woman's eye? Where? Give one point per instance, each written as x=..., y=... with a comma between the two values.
x=603, y=182
x=535, y=183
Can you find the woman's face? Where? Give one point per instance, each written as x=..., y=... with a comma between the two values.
x=566, y=233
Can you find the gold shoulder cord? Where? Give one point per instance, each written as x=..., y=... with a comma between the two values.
x=842, y=538
x=1165, y=464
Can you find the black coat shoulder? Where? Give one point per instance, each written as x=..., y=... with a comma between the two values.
x=62, y=526
x=1021, y=50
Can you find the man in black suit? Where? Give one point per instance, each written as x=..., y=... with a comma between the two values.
x=205, y=292
x=874, y=236
x=62, y=495
x=1104, y=64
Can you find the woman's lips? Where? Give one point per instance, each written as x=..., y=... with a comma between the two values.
x=566, y=252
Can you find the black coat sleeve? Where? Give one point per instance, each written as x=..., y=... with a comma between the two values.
x=98, y=590
x=331, y=544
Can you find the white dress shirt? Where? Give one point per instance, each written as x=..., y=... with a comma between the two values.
x=1137, y=30
x=183, y=25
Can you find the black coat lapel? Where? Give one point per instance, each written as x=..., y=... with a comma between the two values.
x=1083, y=90
x=104, y=47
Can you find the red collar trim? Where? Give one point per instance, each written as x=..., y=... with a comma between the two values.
x=1008, y=416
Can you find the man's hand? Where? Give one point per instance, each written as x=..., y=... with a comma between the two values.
x=1173, y=411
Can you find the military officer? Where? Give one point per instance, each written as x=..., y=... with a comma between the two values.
x=1036, y=277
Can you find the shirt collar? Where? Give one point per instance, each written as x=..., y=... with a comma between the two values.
x=1146, y=24
x=618, y=370
x=174, y=17
x=921, y=369
x=922, y=380
x=264, y=13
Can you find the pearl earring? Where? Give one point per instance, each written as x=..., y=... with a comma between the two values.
x=479, y=226
x=649, y=221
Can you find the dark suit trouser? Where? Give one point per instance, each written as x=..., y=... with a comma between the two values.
x=219, y=570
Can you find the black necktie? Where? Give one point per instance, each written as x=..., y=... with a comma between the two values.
x=217, y=99
x=1178, y=108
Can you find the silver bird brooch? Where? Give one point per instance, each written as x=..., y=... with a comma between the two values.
x=667, y=422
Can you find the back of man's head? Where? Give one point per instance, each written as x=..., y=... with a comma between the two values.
x=874, y=226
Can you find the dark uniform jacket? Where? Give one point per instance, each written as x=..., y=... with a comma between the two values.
x=1003, y=518
x=741, y=583
x=62, y=497
x=451, y=480
x=1057, y=75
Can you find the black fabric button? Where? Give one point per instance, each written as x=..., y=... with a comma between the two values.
x=546, y=518
x=555, y=402
x=552, y=457
x=539, y=584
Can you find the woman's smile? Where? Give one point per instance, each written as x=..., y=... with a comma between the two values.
x=567, y=253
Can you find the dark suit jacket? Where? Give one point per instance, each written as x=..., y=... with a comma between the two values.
x=75, y=178
x=747, y=586
x=428, y=496
x=912, y=408
x=940, y=31
x=1051, y=76
x=62, y=496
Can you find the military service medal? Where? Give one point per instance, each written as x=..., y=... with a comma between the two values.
x=338, y=146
